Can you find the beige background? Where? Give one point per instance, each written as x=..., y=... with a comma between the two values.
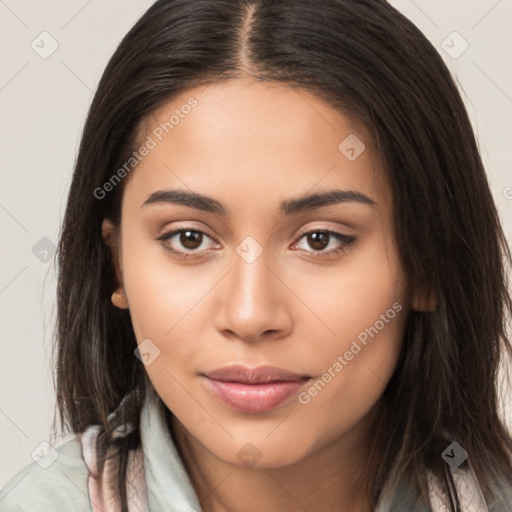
x=43, y=103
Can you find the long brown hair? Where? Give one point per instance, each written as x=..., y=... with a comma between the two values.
x=365, y=58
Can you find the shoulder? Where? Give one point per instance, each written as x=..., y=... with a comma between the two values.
x=56, y=482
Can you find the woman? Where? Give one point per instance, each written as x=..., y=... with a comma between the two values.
x=282, y=274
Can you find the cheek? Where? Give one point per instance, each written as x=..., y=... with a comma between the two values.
x=169, y=305
x=352, y=297
x=365, y=310
x=160, y=293
x=353, y=370
x=165, y=305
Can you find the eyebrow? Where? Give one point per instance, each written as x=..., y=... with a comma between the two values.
x=288, y=207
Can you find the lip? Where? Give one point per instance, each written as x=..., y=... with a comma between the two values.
x=253, y=390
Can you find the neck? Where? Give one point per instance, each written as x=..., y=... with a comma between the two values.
x=331, y=478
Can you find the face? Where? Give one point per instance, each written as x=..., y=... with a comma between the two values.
x=287, y=259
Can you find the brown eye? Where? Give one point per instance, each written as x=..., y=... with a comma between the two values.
x=186, y=242
x=318, y=240
x=191, y=239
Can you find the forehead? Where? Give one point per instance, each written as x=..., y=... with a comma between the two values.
x=261, y=138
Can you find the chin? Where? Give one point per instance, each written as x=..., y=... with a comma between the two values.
x=258, y=454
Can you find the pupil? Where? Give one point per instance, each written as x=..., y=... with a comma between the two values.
x=318, y=240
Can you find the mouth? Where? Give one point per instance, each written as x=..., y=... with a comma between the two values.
x=253, y=390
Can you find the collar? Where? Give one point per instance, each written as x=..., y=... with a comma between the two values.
x=168, y=486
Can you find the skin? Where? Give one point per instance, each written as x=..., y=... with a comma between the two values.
x=251, y=146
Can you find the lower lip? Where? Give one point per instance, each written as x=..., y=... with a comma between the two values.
x=253, y=398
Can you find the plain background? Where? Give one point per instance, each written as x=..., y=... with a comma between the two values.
x=43, y=104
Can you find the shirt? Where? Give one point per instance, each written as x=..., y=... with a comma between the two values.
x=156, y=478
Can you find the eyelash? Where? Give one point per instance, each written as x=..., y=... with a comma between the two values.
x=348, y=242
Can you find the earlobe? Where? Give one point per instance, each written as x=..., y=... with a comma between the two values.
x=111, y=238
x=119, y=299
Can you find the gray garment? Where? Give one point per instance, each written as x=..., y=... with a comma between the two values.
x=63, y=486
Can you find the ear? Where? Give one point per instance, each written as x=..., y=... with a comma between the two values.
x=111, y=237
x=424, y=301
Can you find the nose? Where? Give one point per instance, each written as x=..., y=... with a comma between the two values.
x=253, y=303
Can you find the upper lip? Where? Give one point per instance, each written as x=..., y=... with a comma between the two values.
x=259, y=375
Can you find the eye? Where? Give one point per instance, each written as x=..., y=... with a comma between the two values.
x=320, y=239
x=186, y=244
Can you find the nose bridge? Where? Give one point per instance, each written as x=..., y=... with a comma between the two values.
x=251, y=302
x=251, y=284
